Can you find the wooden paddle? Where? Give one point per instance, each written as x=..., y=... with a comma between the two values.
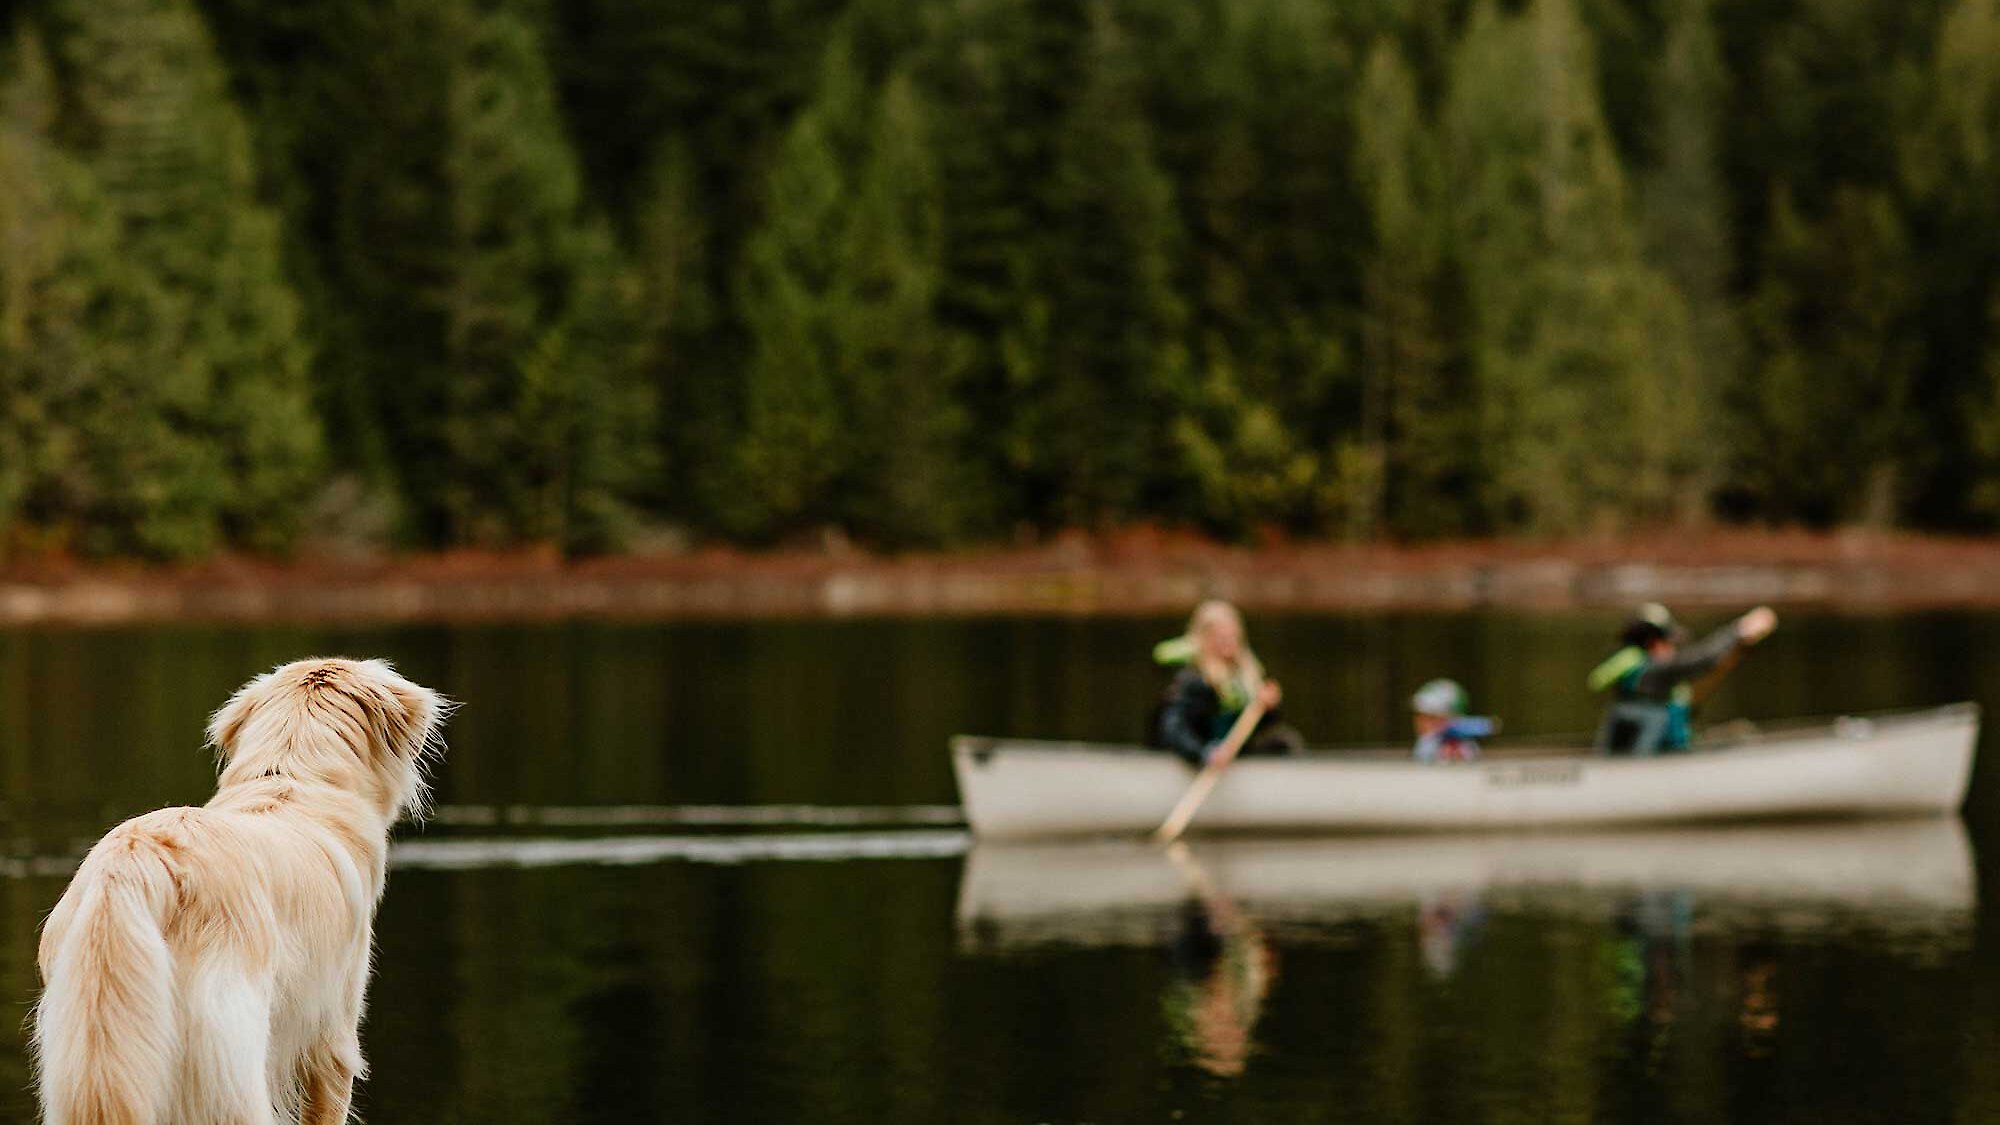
x=1232, y=743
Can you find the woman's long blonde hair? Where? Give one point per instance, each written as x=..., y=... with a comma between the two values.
x=1227, y=678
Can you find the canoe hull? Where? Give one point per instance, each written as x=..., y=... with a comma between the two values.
x=1883, y=765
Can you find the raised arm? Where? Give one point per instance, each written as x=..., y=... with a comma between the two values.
x=1697, y=659
x=1689, y=662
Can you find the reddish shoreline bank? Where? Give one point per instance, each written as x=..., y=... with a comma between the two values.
x=1128, y=572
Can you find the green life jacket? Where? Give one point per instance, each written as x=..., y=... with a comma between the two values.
x=1233, y=696
x=1622, y=670
x=1616, y=667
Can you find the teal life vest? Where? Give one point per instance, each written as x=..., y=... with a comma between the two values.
x=1620, y=674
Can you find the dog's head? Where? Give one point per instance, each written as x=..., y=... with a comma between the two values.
x=355, y=724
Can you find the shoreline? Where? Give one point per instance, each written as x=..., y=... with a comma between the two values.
x=1138, y=571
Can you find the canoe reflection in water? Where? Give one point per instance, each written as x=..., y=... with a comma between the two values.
x=1225, y=910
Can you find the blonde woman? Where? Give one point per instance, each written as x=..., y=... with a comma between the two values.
x=1219, y=678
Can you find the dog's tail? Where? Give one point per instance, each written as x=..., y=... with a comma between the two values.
x=105, y=1028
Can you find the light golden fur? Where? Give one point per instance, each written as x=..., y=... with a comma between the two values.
x=207, y=966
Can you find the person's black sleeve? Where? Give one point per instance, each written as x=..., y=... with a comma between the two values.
x=1689, y=662
x=1190, y=706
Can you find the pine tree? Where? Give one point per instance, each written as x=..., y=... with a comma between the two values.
x=725, y=79
x=695, y=430
x=89, y=455
x=900, y=368
x=1277, y=429
x=676, y=109
x=1094, y=396
x=484, y=357
x=1968, y=88
x=793, y=443
x=1829, y=328
x=41, y=354
x=342, y=99
x=1819, y=134
x=1577, y=345
x=1003, y=77
x=539, y=312
x=1952, y=167
x=151, y=114
x=1685, y=209
x=373, y=137
x=587, y=405
x=1983, y=424
x=850, y=418
x=1417, y=427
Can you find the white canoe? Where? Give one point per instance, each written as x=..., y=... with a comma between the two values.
x=1890, y=764
x=1901, y=876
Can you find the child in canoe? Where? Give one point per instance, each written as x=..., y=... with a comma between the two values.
x=1653, y=678
x=1218, y=678
x=1445, y=733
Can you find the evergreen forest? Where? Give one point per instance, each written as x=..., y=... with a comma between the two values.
x=488, y=273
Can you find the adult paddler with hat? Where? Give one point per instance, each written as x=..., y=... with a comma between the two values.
x=1651, y=678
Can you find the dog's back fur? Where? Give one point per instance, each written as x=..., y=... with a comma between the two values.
x=208, y=965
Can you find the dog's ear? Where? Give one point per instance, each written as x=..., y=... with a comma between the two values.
x=411, y=716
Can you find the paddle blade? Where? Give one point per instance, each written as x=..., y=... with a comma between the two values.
x=1177, y=821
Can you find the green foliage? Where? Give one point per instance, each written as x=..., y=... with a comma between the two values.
x=1952, y=170
x=587, y=405
x=1003, y=75
x=508, y=280
x=693, y=435
x=902, y=370
x=1983, y=424
x=89, y=455
x=219, y=440
x=849, y=417
x=153, y=119
x=1578, y=345
x=1684, y=217
x=1828, y=417
x=793, y=435
x=1274, y=429
x=509, y=271
x=1102, y=363
x=1414, y=416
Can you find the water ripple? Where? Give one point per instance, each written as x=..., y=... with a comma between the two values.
x=706, y=816
x=465, y=854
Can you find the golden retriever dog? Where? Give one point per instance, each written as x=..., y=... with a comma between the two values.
x=207, y=966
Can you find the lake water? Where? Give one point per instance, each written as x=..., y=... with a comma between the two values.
x=708, y=872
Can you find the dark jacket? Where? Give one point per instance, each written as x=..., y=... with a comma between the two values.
x=1657, y=680
x=1191, y=717
x=1655, y=696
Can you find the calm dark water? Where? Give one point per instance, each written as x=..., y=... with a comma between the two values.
x=711, y=974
